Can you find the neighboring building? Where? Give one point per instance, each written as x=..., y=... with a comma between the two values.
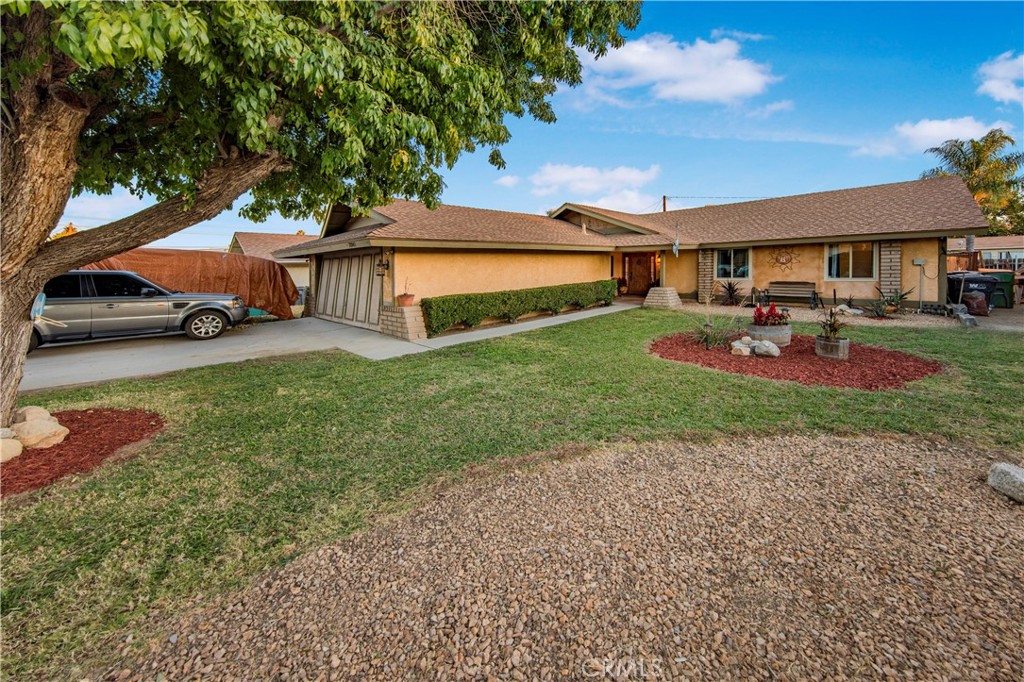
x=845, y=242
x=263, y=245
x=998, y=253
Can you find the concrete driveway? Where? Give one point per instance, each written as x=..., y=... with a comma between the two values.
x=97, y=361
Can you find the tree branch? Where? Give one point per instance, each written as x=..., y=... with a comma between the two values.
x=217, y=189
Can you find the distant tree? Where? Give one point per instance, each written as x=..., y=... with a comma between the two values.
x=66, y=231
x=990, y=173
x=301, y=103
x=301, y=232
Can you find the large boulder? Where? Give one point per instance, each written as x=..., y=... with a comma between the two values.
x=766, y=348
x=40, y=433
x=27, y=414
x=1007, y=479
x=9, y=449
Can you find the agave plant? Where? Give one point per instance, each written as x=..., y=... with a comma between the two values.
x=731, y=292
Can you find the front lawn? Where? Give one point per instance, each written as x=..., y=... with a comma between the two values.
x=263, y=460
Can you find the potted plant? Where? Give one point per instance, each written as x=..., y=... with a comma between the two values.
x=829, y=344
x=771, y=324
x=406, y=299
x=622, y=285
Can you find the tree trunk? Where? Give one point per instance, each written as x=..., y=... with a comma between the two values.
x=218, y=188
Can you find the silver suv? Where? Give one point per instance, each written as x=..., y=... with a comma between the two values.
x=99, y=304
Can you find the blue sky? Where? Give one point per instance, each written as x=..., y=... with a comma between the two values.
x=711, y=100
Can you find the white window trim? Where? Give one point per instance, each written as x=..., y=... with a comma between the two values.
x=750, y=265
x=875, y=265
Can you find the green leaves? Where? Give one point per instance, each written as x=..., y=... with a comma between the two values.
x=365, y=99
x=444, y=312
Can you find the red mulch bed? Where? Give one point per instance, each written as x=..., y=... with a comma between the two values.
x=95, y=436
x=869, y=367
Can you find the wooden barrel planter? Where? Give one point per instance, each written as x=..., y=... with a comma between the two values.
x=835, y=349
x=779, y=334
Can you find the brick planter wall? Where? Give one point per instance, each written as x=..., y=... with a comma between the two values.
x=663, y=297
x=403, y=322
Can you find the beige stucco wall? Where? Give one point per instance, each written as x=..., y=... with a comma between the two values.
x=299, y=273
x=809, y=266
x=681, y=272
x=441, y=272
x=911, y=274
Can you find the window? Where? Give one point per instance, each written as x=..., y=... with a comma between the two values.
x=732, y=264
x=117, y=285
x=855, y=260
x=65, y=286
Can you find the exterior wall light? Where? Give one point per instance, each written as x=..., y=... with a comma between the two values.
x=382, y=267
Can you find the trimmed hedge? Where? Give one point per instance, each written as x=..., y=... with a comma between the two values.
x=444, y=312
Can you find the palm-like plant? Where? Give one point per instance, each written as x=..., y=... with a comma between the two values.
x=989, y=173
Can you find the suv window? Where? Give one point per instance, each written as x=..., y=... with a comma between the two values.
x=65, y=286
x=117, y=285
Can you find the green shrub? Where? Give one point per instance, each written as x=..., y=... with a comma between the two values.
x=444, y=312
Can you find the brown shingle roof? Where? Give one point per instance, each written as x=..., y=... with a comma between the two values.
x=934, y=205
x=939, y=205
x=413, y=221
x=263, y=245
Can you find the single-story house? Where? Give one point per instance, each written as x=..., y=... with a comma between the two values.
x=843, y=242
x=263, y=245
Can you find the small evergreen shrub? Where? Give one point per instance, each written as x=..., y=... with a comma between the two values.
x=444, y=312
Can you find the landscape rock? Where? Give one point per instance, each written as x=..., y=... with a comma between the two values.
x=746, y=340
x=967, y=320
x=40, y=433
x=1007, y=479
x=766, y=348
x=9, y=449
x=740, y=350
x=27, y=414
x=7, y=433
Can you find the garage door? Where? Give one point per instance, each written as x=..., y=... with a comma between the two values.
x=349, y=290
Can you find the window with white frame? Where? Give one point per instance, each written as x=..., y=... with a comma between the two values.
x=732, y=264
x=851, y=260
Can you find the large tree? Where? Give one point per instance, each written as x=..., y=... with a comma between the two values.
x=301, y=103
x=990, y=173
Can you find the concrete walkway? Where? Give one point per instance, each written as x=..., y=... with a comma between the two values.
x=98, y=361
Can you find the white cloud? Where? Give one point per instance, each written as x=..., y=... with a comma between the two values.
x=508, y=180
x=92, y=210
x=589, y=180
x=628, y=200
x=704, y=71
x=771, y=108
x=738, y=35
x=915, y=138
x=1002, y=78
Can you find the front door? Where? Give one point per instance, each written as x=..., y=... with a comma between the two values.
x=640, y=273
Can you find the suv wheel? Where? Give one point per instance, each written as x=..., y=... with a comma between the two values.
x=206, y=324
x=33, y=341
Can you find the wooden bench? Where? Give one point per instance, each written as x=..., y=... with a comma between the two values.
x=799, y=291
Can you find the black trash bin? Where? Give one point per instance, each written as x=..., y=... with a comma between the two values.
x=964, y=281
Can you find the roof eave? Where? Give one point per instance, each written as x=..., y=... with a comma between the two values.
x=601, y=216
x=876, y=236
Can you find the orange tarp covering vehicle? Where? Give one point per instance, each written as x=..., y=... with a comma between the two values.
x=262, y=283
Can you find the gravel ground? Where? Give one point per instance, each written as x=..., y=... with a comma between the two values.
x=787, y=558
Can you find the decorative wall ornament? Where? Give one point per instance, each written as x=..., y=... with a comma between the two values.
x=782, y=257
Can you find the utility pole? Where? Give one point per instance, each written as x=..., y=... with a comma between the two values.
x=664, y=203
